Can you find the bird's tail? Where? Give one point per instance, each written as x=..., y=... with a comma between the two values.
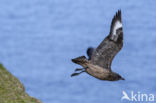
x=80, y=60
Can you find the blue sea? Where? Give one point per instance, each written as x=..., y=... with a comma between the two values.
x=38, y=39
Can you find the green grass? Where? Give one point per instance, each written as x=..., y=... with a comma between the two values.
x=12, y=90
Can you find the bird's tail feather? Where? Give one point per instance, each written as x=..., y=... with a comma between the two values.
x=80, y=60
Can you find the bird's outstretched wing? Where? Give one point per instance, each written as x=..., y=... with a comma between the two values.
x=111, y=45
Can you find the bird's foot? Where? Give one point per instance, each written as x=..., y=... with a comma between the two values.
x=75, y=74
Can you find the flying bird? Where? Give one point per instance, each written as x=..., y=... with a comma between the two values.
x=100, y=59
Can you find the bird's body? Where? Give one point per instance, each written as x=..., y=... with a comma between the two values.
x=99, y=63
x=97, y=71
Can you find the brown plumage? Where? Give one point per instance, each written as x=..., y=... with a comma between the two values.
x=99, y=63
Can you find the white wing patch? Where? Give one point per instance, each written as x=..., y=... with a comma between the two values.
x=117, y=25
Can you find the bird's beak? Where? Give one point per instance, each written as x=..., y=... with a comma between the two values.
x=122, y=78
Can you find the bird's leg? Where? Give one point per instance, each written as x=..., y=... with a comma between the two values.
x=75, y=74
x=79, y=69
x=86, y=67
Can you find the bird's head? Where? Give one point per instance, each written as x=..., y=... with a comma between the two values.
x=118, y=76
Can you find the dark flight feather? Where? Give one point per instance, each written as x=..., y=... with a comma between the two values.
x=110, y=46
x=90, y=52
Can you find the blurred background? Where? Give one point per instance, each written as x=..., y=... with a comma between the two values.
x=38, y=39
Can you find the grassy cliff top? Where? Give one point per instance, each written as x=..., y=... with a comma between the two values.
x=12, y=90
